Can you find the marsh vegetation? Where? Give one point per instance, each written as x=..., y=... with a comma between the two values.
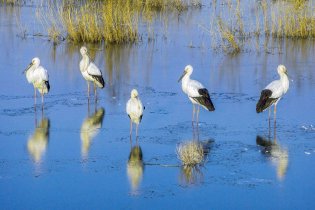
x=111, y=21
x=235, y=22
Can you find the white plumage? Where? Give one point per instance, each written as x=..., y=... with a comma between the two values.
x=38, y=76
x=196, y=92
x=134, y=109
x=273, y=92
x=90, y=72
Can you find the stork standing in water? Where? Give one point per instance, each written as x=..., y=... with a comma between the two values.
x=273, y=92
x=134, y=109
x=38, y=76
x=196, y=92
x=90, y=72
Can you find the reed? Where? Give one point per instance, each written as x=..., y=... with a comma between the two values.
x=231, y=29
x=112, y=21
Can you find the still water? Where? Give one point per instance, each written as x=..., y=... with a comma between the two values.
x=77, y=154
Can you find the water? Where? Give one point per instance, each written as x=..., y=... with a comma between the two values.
x=51, y=160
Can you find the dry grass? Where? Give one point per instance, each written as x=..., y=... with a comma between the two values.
x=11, y=2
x=230, y=28
x=112, y=21
x=293, y=19
x=190, y=153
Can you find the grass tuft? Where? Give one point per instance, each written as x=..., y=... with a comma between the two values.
x=190, y=153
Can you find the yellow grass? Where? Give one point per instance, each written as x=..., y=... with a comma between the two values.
x=112, y=21
x=230, y=28
x=190, y=153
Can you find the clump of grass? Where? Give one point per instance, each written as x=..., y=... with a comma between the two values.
x=230, y=43
x=190, y=153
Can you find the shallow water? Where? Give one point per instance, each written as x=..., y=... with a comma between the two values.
x=54, y=156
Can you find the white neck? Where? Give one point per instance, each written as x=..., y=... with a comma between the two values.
x=185, y=81
x=284, y=81
x=84, y=62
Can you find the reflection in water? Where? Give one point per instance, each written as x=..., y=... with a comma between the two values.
x=193, y=154
x=276, y=153
x=89, y=129
x=190, y=175
x=38, y=141
x=135, y=167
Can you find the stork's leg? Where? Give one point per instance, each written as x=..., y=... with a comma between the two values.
x=269, y=120
x=275, y=134
x=35, y=99
x=193, y=114
x=198, y=110
x=88, y=91
x=137, y=131
x=275, y=115
x=42, y=101
x=95, y=95
x=88, y=106
x=130, y=128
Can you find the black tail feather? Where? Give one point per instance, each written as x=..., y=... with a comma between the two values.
x=47, y=85
x=204, y=99
x=265, y=101
x=99, y=80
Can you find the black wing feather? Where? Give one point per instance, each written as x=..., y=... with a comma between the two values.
x=265, y=101
x=99, y=80
x=204, y=99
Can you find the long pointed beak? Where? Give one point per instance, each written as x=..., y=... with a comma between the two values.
x=29, y=66
x=181, y=77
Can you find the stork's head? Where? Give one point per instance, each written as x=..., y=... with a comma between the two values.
x=282, y=70
x=83, y=50
x=134, y=93
x=35, y=63
x=188, y=70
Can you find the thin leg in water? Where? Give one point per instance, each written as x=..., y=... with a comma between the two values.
x=130, y=128
x=198, y=110
x=95, y=94
x=137, y=130
x=275, y=115
x=88, y=90
x=35, y=99
x=193, y=114
x=275, y=134
x=269, y=121
x=42, y=101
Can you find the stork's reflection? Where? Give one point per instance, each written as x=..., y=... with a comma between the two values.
x=135, y=167
x=38, y=141
x=90, y=128
x=277, y=154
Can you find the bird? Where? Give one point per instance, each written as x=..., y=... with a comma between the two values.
x=134, y=109
x=90, y=72
x=273, y=92
x=38, y=76
x=196, y=92
x=89, y=129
